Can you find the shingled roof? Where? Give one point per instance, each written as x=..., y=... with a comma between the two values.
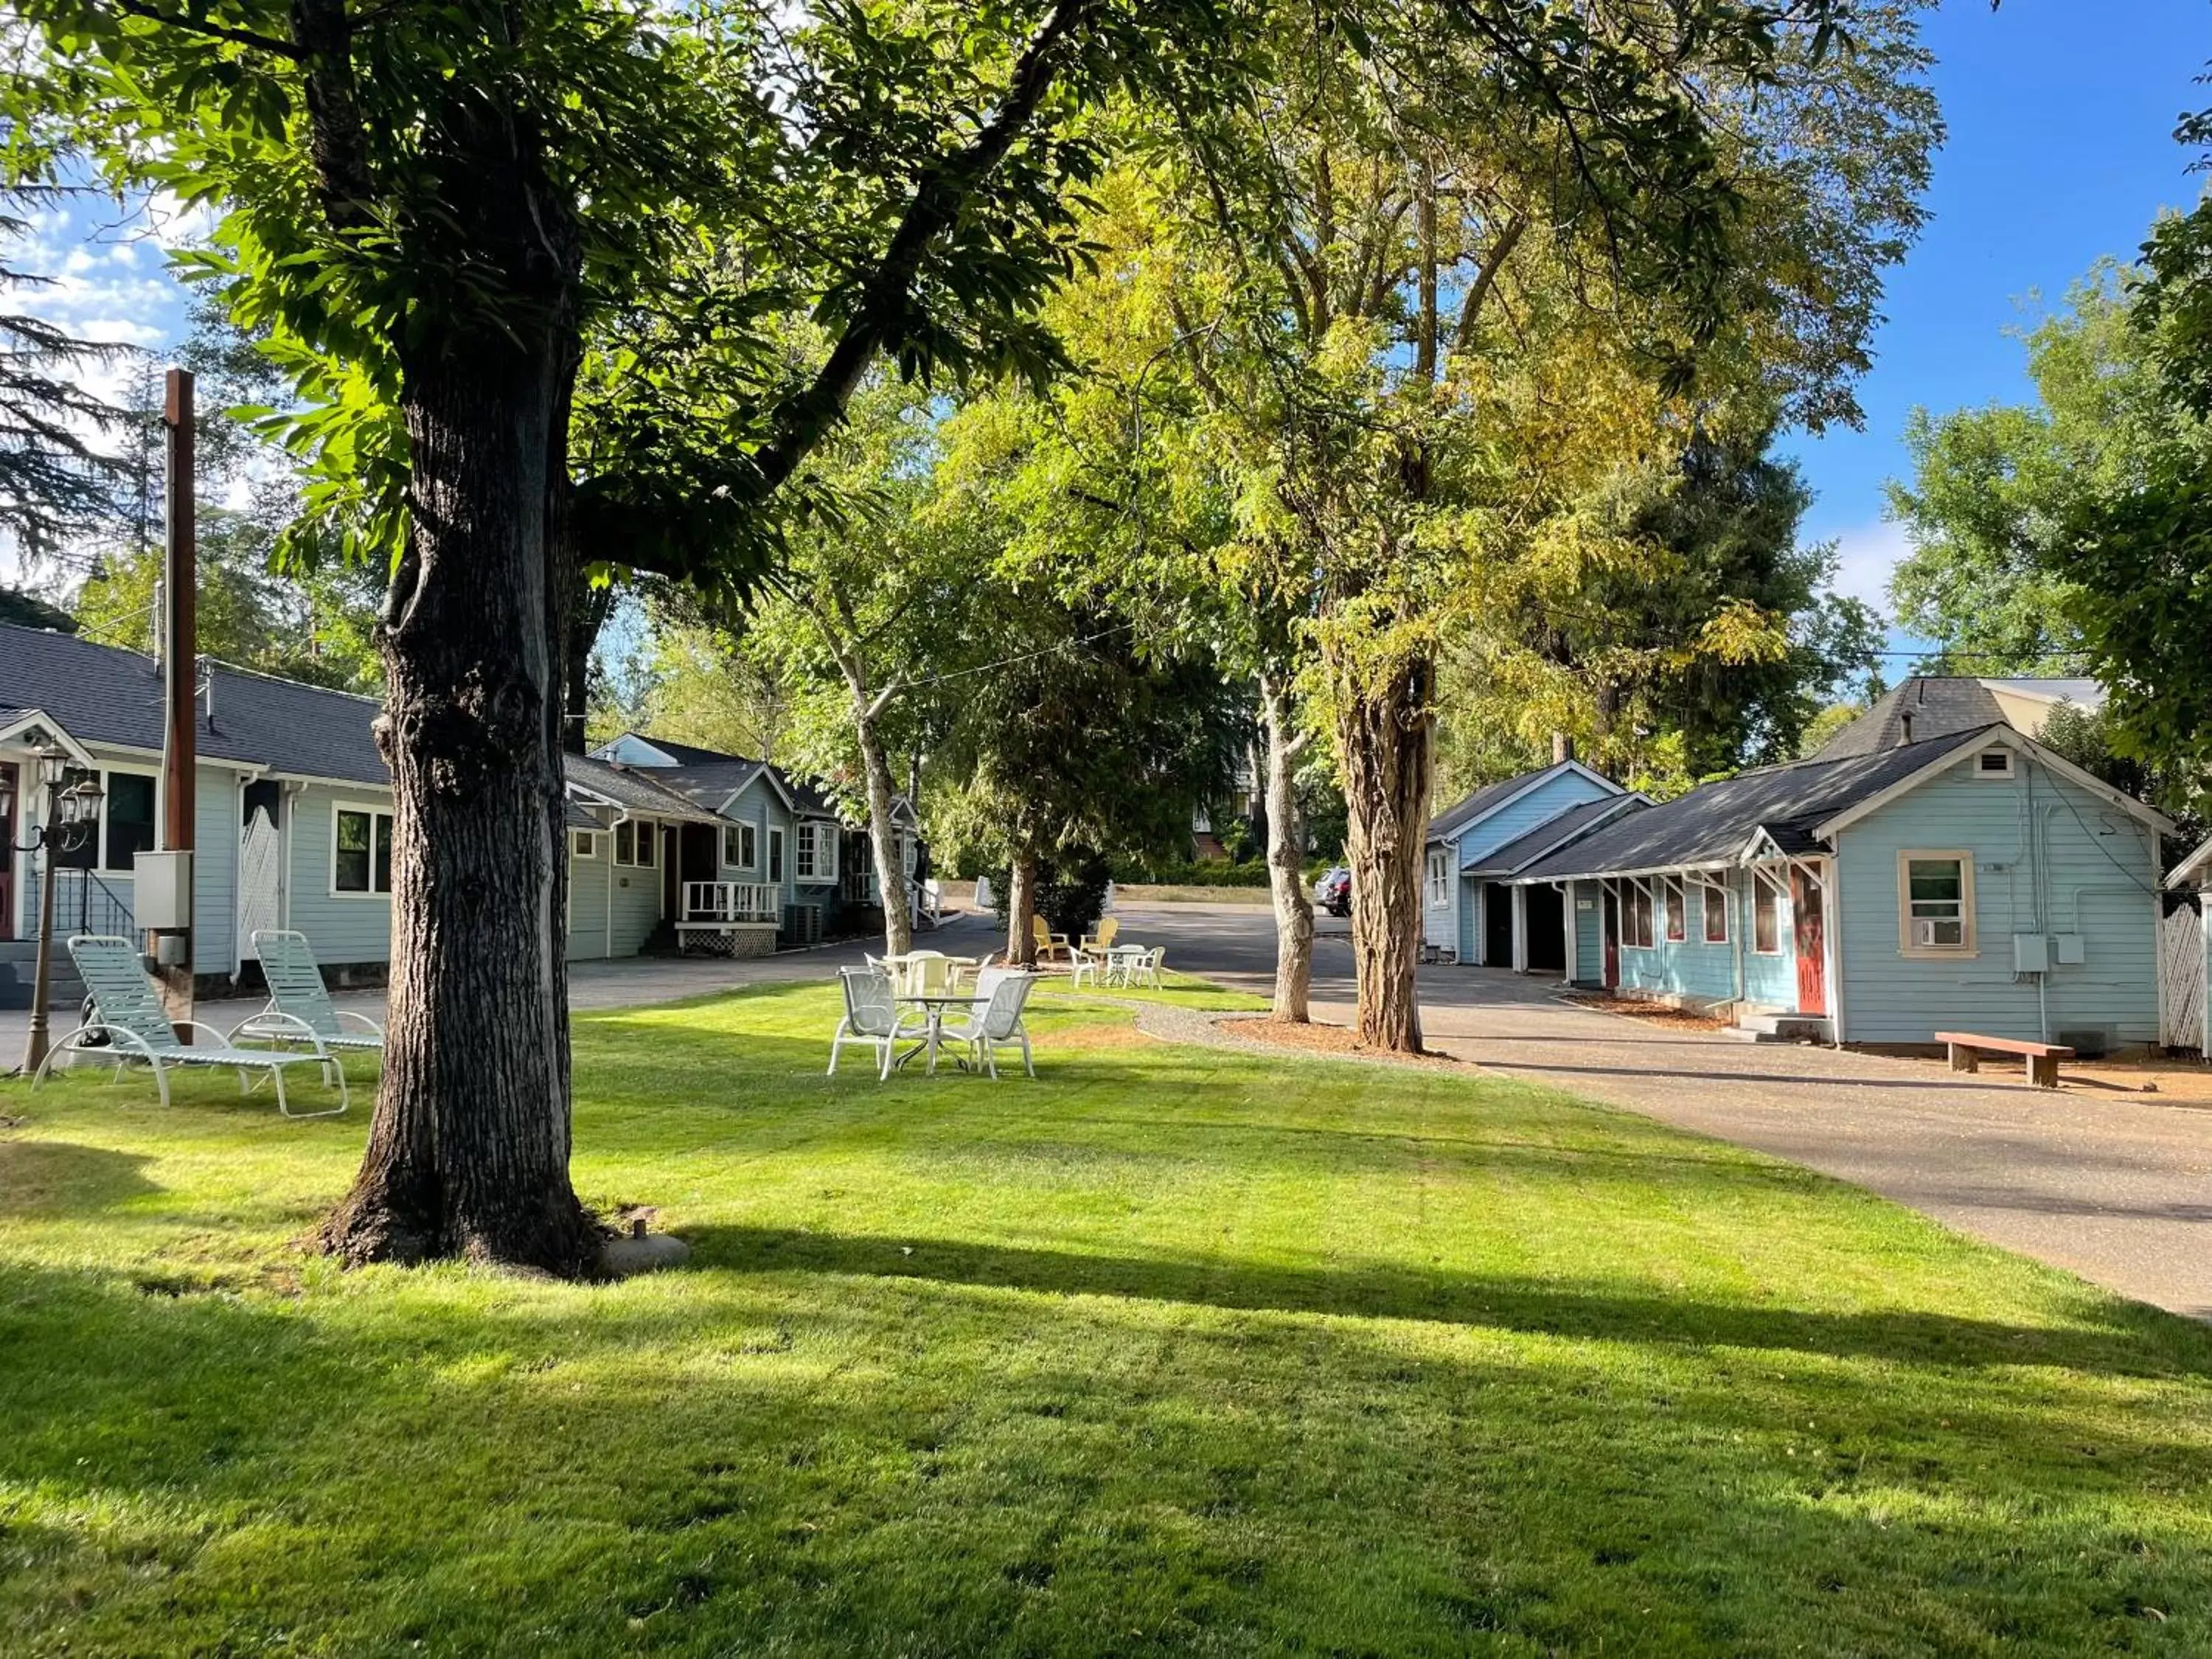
x=1715, y=822
x=1554, y=834
x=99, y=693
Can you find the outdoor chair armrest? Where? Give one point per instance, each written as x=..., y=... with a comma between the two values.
x=369, y=1025
x=271, y=1022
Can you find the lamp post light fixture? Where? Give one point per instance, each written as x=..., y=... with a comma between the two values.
x=70, y=818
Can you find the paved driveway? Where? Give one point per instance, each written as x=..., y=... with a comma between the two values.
x=2116, y=1188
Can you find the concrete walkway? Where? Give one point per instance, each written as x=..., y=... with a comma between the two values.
x=2116, y=1188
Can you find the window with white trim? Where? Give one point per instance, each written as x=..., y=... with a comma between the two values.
x=1766, y=915
x=741, y=846
x=583, y=843
x=815, y=859
x=360, y=850
x=1439, y=879
x=775, y=855
x=1713, y=901
x=1936, y=903
x=633, y=842
x=128, y=813
x=1677, y=900
x=1636, y=914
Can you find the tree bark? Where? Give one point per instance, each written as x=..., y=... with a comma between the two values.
x=1385, y=732
x=1021, y=906
x=468, y=1149
x=883, y=837
x=1294, y=917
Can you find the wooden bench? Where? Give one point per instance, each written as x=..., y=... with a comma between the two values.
x=1966, y=1049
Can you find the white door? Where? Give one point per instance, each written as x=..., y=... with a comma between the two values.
x=260, y=877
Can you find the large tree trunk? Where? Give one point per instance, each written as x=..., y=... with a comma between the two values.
x=1385, y=733
x=1294, y=917
x=1021, y=906
x=882, y=834
x=468, y=1151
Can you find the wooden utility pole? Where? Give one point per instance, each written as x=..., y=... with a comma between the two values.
x=179, y=625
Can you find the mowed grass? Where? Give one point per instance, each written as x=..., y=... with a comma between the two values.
x=1170, y=1351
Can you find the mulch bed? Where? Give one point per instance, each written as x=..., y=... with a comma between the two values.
x=1657, y=1013
x=1318, y=1038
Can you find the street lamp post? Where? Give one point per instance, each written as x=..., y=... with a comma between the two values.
x=69, y=815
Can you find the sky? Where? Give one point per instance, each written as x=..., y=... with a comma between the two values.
x=2060, y=115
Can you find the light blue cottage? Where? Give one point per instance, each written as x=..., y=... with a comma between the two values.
x=1483, y=920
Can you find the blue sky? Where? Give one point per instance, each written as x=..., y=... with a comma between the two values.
x=2061, y=115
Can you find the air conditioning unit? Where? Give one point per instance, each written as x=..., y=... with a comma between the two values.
x=1923, y=933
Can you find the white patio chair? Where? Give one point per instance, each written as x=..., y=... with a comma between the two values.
x=135, y=1026
x=873, y=1019
x=1146, y=969
x=994, y=1020
x=299, y=1006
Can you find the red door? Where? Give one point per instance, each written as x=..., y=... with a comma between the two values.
x=1612, y=930
x=1812, y=928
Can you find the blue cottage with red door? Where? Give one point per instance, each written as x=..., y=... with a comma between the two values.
x=1933, y=867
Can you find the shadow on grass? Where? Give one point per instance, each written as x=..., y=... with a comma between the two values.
x=2116, y=1339
x=57, y=1177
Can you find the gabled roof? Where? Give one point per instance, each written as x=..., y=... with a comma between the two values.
x=102, y=694
x=1554, y=834
x=635, y=790
x=1714, y=823
x=1470, y=810
x=2195, y=871
x=1931, y=706
x=709, y=778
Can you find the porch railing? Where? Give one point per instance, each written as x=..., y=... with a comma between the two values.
x=85, y=904
x=731, y=901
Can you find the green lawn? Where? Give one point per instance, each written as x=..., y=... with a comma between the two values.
x=1172, y=1350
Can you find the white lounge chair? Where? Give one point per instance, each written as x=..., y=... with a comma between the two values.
x=132, y=1025
x=300, y=1008
x=994, y=1020
x=873, y=1019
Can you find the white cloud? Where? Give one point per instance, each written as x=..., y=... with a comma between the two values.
x=1865, y=555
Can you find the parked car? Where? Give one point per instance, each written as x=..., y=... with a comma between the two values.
x=1332, y=892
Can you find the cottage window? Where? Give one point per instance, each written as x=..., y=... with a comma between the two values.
x=634, y=843
x=815, y=860
x=1636, y=916
x=1439, y=879
x=1936, y=903
x=1766, y=915
x=130, y=813
x=584, y=843
x=775, y=857
x=1677, y=908
x=360, y=850
x=1713, y=900
x=741, y=846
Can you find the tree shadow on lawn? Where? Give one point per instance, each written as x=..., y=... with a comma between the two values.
x=2113, y=1338
x=60, y=1178
x=711, y=1461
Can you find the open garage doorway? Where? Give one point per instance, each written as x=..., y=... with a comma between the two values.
x=1547, y=930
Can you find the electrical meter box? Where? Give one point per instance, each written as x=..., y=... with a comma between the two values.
x=161, y=896
x=2031, y=953
x=2073, y=950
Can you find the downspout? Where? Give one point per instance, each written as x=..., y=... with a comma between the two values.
x=2035, y=892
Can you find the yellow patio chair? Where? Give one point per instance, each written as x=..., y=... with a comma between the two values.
x=1050, y=947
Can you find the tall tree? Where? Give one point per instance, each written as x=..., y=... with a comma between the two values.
x=1994, y=489
x=430, y=208
x=1370, y=252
